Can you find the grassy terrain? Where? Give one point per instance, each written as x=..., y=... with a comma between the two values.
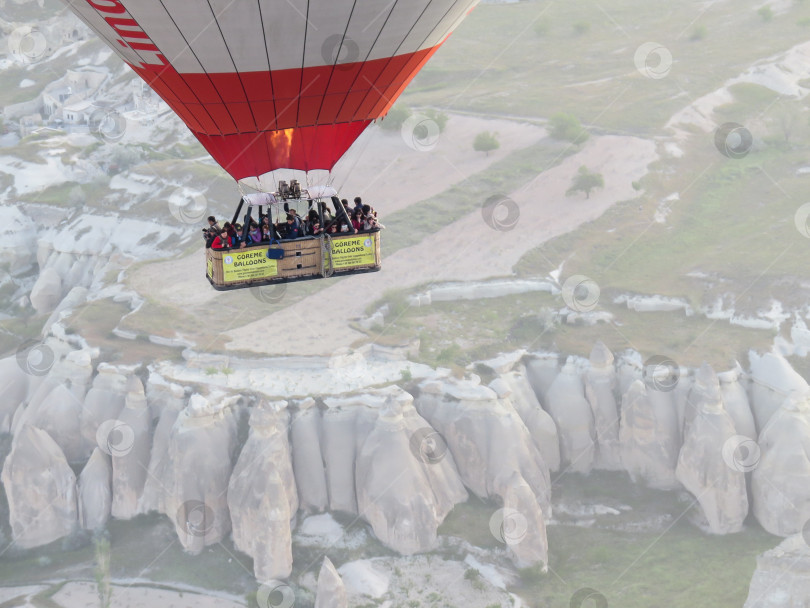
x=672, y=564
x=458, y=333
x=146, y=547
x=538, y=58
x=429, y=216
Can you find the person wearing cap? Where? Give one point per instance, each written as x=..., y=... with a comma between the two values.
x=293, y=228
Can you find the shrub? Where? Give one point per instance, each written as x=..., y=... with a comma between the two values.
x=581, y=27
x=699, y=33
x=766, y=13
x=395, y=118
x=585, y=181
x=567, y=127
x=439, y=117
x=486, y=142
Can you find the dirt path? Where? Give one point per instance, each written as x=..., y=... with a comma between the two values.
x=468, y=249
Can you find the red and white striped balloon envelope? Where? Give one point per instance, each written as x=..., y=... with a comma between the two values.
x=271, y=84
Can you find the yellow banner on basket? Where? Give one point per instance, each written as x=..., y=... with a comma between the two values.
x=353, y=251
x=245, y=265
x=210, y=267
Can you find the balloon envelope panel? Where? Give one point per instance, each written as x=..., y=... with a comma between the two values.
x=274, y=84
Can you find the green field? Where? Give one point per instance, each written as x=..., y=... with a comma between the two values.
x=666, y=563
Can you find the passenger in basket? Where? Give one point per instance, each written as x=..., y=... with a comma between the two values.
x=357, y=220
x=315, y=228
x=370, y=223
x=293, y=229
x=267, y=235
x=255, y=234
x=223, y=241
x=358, y=203
x=210, y=233
x=231, y=231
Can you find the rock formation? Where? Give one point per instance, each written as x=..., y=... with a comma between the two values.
x=572, y=415
x=58, y=411
x=515, y=387
x=541, y=370
x=402, y=491
x=780, y=482
x=47, y=291
x=735, y=402
x=167, y=399
x=772, y=380
x=601, y=386
x=718, y=486
x=200, y=453
x=262, y=496
x=40, y=488
x=103, y=402
x=15, y=390
x=345, y=423
x=305, y=436
x=95, y=492
x=492, y=449
x=628, y=370
x=782, y=577
x=128, y=440
x=331, y=592
x=646, y=440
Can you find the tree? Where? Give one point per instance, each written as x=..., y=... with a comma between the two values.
x=486, y=142
x=581, y=27
x=585, y=181
x=567, y=127
x=102, y=572
x=766, y=13
x=439, y=117
x=395, y=118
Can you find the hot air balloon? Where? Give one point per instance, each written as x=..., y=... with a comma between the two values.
x=272, y=84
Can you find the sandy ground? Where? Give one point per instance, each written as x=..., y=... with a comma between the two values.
x=82, y=595
x=382, y=169
x=381, y=162
x=468, y=249
x=10, y=593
